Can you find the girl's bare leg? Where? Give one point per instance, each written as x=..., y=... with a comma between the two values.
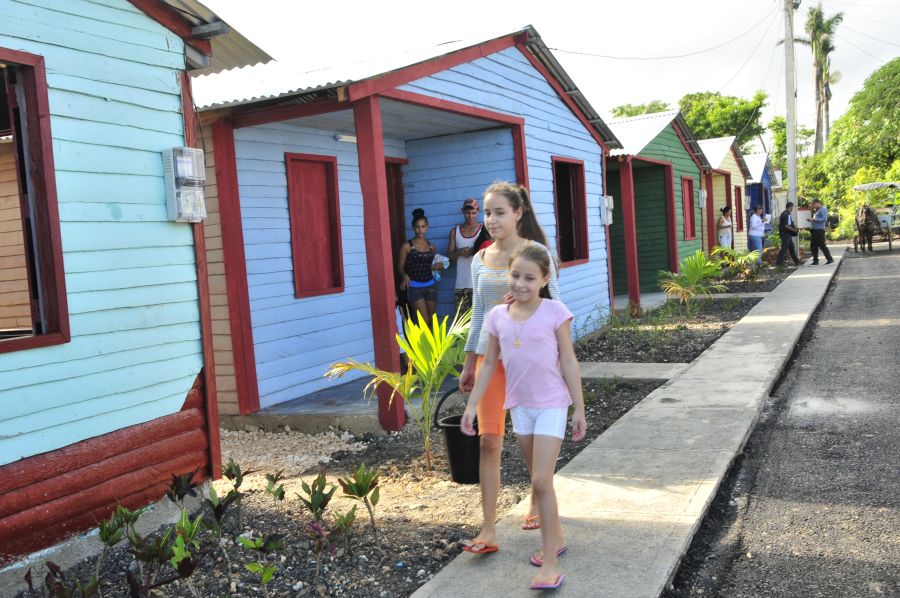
x=525, y=446
x=431, y=306
x=489, y=472
x=545, y=450
x=421, y=307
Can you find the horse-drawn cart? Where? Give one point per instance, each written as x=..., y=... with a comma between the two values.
x=881, y=222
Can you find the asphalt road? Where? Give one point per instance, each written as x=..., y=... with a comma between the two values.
x=812, y=508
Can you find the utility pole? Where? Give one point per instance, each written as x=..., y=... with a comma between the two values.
x=791, y=96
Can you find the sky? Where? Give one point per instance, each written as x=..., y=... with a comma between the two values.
x=733, y=43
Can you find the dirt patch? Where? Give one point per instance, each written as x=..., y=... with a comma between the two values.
x=422, y=515
x=765, y=281
x=665, y=335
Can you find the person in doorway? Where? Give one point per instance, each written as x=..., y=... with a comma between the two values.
x=533, y=337
x=415, y=265
x=817, y=225
x=723, y=226
x=756, y=230
x=461, y=248
x=787, y=230
x=511, y=221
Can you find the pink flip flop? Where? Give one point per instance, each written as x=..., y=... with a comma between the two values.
x=548, y=585
x=537, y=559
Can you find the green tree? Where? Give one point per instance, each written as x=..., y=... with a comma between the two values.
x=626, y=110
x=710, y=114
x=864, y=145
x=821, y=43
x=778, y=127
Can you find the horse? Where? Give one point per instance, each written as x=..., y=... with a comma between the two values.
x=866, y=224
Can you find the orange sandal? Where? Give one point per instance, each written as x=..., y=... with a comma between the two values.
x=532, y=522
x=479, y=546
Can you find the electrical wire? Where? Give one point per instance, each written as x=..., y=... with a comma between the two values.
x=763, y=85
x=859, y=17
x=752, y=53
x=671, y=57
x=863, y=50
x=848, y=28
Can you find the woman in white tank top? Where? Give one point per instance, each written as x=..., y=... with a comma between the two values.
x=461, y=249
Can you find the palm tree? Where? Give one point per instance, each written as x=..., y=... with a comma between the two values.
x=821, y=42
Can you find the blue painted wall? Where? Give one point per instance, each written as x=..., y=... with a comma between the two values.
x=441, y=173
x=114, y=97
x=295, y=340
x=508, y=83
x=756, y=192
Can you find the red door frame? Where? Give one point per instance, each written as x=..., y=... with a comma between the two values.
x=626, y=185
x=582, y=246
x=671, y=218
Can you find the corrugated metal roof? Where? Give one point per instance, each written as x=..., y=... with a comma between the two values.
x=716, y=150
x=230, y=50
x=637, y=132
x=758, y=164
x=283, y=80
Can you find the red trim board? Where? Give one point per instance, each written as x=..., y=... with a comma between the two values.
x=235, y=267
x=516, y=123
x=48, y=240
x=206, y=334
x=582, y=245
x=429, y=67
x=271, y=114
x=689, y=211
x=710, y=212
x=376, y=228
x=626, y=181
x=169, y=18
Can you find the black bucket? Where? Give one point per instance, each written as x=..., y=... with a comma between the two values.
x=463, y=451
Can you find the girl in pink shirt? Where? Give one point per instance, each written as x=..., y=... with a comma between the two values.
x=533, y=338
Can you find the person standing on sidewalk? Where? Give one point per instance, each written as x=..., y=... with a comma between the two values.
x=787, y=230
x=817, y=232
x=461, y=248
x=756, y=231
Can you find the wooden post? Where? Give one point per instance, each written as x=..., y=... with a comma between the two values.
x=626, y=182
x=710, y=214
x=376, y=228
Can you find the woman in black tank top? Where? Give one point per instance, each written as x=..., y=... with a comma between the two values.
x=415, y=267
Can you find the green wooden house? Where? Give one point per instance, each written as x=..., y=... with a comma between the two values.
x=655, y=181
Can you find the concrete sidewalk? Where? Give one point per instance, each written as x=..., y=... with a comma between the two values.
x=630, y=372
x=632, y=500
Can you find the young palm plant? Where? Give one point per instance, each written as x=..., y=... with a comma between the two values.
x=434, y=352
x=695, y=277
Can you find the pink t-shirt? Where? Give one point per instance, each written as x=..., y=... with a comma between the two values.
x=533, y=378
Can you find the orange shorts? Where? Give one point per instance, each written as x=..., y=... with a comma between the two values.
x=491, y=414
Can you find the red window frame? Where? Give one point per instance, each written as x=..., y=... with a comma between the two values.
x=32, y=115
x=300, y=233
x=738, y=209
x=578, y=186
x=689, y=215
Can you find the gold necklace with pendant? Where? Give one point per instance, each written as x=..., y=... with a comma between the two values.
x=517, y=331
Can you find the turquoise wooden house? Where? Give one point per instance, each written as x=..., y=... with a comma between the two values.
x=655, y=181
x=316, y=176
x=105, y=347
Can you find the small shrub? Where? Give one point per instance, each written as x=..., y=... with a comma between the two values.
x=317, y=497
x=695, y=277
x=363, y=486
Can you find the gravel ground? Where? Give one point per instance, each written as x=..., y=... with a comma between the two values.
x=811, y=508
x=422, y=514
x=666, y=334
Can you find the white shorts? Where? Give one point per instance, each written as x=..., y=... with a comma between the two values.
x=529, y=421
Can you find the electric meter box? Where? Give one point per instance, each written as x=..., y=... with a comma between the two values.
x=184, y=173
x=606, y=210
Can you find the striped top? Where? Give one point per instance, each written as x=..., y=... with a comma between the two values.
x=489, y=286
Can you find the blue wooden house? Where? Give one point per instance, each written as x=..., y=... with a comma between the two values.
x=316, y=176
x=105, y=336
x=760, y=184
